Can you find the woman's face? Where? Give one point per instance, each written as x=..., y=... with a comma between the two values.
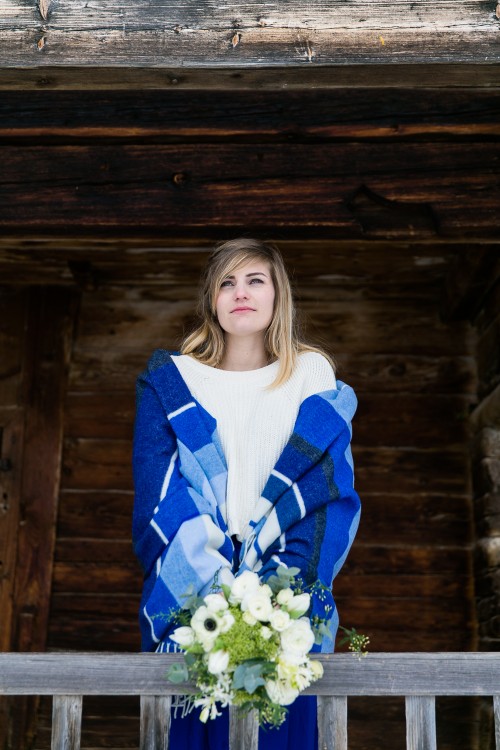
x=245, y=301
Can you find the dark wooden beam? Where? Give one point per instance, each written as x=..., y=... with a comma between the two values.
x=283, y=77
x=288, y=115
x=250, y=35
x=273, y=188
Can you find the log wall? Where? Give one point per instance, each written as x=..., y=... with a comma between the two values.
x=372, y=195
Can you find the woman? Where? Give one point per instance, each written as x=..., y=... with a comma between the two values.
x=241, y=462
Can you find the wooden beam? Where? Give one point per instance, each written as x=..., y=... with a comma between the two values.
x=284, y=77
x=374, y=113
x=345, y=190
x=251, y=35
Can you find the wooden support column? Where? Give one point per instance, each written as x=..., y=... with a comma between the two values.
x=50, y=318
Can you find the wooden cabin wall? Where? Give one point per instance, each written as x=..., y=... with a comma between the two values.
x=415, y=379
x=116, y=197
x=408, y=580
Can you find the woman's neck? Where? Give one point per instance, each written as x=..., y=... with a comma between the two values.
x=244, y=355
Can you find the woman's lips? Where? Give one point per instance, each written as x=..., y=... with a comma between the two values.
x=243, y=309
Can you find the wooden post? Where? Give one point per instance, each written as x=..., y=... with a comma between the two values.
x=155, y=722
x=243, y=730
x=66, y=722
x=48, y=337
x=332, y=723
x=420, y=722
x=496, y=714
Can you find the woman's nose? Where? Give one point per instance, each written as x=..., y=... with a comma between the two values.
x=240, y=291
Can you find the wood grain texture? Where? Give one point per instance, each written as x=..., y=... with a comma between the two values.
x=200, y=34
x=277, y=78
x=375, y=113
x=243, y=730
x=345, y=675
x=155, y=722
x=66, y=722
x=332, y=723
x=49, y=335
x=349, y=190
x=420, y=723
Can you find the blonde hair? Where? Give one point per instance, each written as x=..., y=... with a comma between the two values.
x=282, y=341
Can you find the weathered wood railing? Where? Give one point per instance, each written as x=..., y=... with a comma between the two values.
x=419, y=677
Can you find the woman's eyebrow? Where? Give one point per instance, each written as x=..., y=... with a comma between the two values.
x=255, y=273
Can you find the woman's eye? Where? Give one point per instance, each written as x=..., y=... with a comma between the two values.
x=227, y=282
x=259, y=281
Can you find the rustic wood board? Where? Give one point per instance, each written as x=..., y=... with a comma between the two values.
x=376, y=674
x=349, y=190
x=375, y=113
x=206, y=34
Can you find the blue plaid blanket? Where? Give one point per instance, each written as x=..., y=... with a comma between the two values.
x=306, y=517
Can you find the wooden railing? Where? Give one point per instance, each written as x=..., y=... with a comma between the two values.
x=419, y=677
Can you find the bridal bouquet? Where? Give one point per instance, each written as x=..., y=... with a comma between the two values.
x=248, y=646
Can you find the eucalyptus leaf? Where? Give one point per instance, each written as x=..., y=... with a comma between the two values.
x=177, y=673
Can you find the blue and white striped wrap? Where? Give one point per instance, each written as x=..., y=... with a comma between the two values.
x=306, y=517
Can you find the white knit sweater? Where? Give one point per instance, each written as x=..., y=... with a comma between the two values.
x=253, y=424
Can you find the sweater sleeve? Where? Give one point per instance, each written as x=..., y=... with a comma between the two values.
x=176, y=534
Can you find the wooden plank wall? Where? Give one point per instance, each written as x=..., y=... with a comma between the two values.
x=408, y=581
x=119, y=194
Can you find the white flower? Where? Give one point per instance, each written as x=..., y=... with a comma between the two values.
x=246, y=583
x=266, y=589
x=299, y=604
x=249, y=619
x=298, y=638
x=316, y=669
x=279, y=619
x=206, y=625
x=281, y=693
x=266, y=632
x=227, y=622
x=218, y=661
x=259, y=605
x=184, y=636
x=284, y=596
x=215, y=602
x=205, y=713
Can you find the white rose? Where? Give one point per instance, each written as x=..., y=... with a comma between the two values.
x=249, y=619
x=259, y=605
x=299, y=604
x=227, y=622
x=298, y=638
x=279, y=620
x=281, y=693
x=218, y=661
x=184, y=636
x=215, y=602
x=284, y=596
x=246, y=583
